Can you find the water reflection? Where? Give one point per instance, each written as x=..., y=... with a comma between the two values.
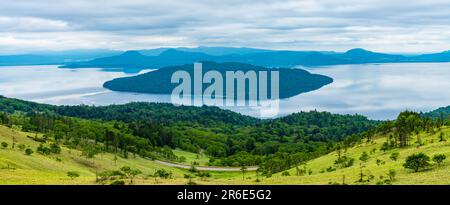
x=377, y=91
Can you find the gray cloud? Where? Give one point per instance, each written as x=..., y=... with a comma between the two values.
x=381, y=25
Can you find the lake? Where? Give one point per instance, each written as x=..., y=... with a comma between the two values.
x=378, y=91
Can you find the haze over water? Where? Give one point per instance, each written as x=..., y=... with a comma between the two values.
x=378, y=91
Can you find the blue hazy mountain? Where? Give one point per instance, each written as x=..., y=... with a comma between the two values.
x=163, y=57
x=215, y=51
x=133, y=61
x=359, y=55
x=55, y=57
x=292, y=81
x=435, y=57
x=28, y=59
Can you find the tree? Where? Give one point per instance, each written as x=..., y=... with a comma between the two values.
x=439, y=158
x=364, y=157
x=338, y=150
x=115, y=160
x=258, y=173
x=14, y=140
x=130, y=173
x=73, y=174
x=441, y=137
x=406, y=123
x=243, y=170
x=417, y=162
x=89, y=151
x=4, y=145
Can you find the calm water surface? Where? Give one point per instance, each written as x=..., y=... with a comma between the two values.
x=379, y=91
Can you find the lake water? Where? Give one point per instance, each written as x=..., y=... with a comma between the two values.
x=379, y=91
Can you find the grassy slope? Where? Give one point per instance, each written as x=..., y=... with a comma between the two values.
x=202, y=159
x=38, y=169
x=438, y=175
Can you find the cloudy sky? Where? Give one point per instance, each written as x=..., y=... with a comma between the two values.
x=380, y=25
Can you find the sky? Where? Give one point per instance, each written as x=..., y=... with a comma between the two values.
x=395, y=26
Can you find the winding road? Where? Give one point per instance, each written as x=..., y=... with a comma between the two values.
x=219, y=169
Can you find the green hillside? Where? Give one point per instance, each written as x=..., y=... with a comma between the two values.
x=431, y=145
x=38, y=145
x=18, y=168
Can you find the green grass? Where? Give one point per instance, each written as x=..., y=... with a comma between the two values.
x=202, y=159
x=437, y=175
x=18, y=168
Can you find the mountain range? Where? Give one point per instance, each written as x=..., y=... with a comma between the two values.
x=136, y=60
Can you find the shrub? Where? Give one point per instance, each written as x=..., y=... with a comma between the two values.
x=73, y=174
x=285, y=174
x=162, y=173
x=42, y=149
x=54, y=148
x=204, y=174
x=391, y=174
x=344, y=162
x=417, y=162
x=364, y=157
x=118, y=183
x=182, y=159
x=188, y=176
x=380, y=162
x=29, y=151
x=439, y=158
x=394, y=156
x=4, y=145
x=21, y=147
x=330, y=169
x=190, y=182
x=109, y=175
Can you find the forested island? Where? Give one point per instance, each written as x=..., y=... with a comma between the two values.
x=291, y=81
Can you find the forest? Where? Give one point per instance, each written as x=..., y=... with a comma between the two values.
x=153, y=130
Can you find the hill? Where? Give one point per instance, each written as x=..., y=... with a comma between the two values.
x=443, y=112
x=292, y=81
x=378, y=165
x=18, y=168
x=153, y=130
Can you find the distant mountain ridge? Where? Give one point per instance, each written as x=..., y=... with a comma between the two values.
x=163, y=57
x=268, y=58
x=54, y=57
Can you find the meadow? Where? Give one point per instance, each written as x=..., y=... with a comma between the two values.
x=18, y=168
